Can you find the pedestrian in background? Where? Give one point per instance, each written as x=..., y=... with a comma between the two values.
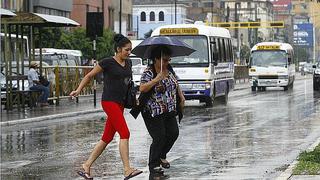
x=117, y=72
x=35, y=84
x=159, y=113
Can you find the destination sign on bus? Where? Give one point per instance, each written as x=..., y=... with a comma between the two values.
x=179, y=31
x=268, y=47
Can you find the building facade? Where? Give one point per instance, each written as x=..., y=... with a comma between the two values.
x=307, y=14
x=57, y=7
x=110, y=10
x=148, y=15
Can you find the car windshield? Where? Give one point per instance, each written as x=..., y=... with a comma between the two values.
x=269, y=58
x=136, y=61
x=198, y=58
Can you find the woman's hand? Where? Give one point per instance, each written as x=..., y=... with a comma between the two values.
x=182, y=101
x=159, y=77
x=74, y=93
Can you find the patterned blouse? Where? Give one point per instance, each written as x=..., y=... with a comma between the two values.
x=163, y=98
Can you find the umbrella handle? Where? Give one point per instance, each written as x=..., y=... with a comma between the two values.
x=161, y=62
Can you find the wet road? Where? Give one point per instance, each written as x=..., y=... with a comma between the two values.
x=256, y=136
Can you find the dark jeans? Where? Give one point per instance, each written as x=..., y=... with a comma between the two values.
x=44, y=90
x=164, y=132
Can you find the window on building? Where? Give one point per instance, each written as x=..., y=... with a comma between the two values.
x=143, y=16
x=161, y=16
x=152, y=16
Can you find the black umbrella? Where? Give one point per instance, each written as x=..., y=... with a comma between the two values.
x=144, y=50
x=177, y=47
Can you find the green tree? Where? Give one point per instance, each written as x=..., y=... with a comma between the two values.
x=244, y=53
x=77, y=40
x=49, y=36
x=301, y=54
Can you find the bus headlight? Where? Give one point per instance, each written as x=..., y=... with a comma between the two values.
x=317, y=71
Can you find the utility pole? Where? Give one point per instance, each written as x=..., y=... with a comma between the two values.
x=120, y=13
x=175, y=11
x=256, y=19
x=236, y=19
x=212, y=11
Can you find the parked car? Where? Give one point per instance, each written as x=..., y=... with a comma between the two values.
x=316, y=77
x=307, y=69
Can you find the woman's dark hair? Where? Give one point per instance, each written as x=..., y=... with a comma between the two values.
x=156, y=52
x=120, y=41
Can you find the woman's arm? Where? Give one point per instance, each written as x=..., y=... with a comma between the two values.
x=182, y=98
x=97, y=69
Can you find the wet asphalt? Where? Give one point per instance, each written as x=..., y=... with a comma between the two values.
x=255, y=136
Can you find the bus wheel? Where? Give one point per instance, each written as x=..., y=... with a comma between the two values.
x=253, y=88
x=223, y=99
x=315, y=86
x=285, y=88
x=209, y=102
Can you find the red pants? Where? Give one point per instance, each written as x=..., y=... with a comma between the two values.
x=115, y=121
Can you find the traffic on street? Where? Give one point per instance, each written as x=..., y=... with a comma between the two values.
x=255, y=136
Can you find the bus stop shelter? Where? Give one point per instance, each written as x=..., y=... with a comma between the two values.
x=23, y=24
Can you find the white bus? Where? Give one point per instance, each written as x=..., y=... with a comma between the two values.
x=73, y=57
x=208, y=72
x=271, y=65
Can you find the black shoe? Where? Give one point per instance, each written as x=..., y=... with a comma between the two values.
x=156, y=170
x=165, y=165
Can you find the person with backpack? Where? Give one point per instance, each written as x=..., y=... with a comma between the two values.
x=160, y=109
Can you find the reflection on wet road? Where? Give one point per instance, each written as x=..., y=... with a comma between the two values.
x=254, y=137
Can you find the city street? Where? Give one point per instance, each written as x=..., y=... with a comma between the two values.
x=256, y=136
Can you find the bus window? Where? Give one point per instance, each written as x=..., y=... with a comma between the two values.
x=269, y=58
x=199, y=57
x=218, y=51
x=227, y=57
x=214, y=52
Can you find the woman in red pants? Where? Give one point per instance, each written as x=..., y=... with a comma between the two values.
x=116, y=71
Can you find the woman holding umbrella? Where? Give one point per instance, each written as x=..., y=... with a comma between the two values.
x=159, y=113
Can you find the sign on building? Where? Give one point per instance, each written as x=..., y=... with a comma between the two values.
x=303, y=35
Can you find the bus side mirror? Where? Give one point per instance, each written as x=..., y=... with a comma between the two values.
x=247, y=61
x=215, y=63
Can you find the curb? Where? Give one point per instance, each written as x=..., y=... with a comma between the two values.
x=288, y=172
x=49, y=117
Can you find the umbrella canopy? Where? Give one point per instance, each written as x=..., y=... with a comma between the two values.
x=177, y=47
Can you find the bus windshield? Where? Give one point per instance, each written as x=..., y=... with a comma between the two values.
x=269, y=58
x=197, y=58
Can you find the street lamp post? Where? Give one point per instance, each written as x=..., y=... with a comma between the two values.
x=175, y=11
x=120, y=13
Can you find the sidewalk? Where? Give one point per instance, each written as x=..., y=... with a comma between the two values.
x=66, y=108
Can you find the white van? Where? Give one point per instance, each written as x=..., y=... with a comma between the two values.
x=138, y=66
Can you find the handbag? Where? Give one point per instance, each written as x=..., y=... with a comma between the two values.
x=43, y=81
x=130, y=100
